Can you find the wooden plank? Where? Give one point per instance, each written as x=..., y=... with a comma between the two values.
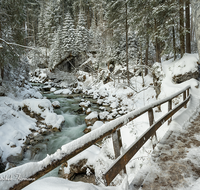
x=120, y=144
x=188, y=92
x=151, y=117
x=119, y=164
x=117, y=144
x=184, y=97
x=151, y=121
x=169, y=109
x=119, y=137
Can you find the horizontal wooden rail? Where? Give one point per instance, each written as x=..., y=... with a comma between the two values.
x=73, y=148
x=122, y=160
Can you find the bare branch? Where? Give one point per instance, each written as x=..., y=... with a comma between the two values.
x=14, y=44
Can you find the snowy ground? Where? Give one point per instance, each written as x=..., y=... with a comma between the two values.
x=15, y=125
x=102, y=158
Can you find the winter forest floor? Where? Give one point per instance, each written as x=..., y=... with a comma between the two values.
x=175, y=161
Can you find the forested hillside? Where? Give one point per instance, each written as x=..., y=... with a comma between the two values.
x=128, y=33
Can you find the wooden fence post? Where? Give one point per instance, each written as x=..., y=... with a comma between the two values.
x=188, y=92
x=169, y=109
x=151, y=116
x=184, y=97
x=151, y=121
x=117, y=144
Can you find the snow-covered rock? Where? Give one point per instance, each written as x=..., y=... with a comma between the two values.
x=53, y=89
x=47, y=88
x=44, y=110
x=54, y=121
x=88, y=111
x=91, y=118
x=103, y=115
x=58, y=92
x=185, y=68
x=85, y=104
x=63, y=91
x=39, y=76
x=56, y=104
x=67, y=91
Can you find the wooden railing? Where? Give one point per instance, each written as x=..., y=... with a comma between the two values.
x=38, y=169
x=122, y=160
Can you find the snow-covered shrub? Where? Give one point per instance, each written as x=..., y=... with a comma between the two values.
x=158, y=75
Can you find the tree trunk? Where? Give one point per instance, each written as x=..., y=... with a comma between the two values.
x=174, y=41
x=1, y=58
x=181, y=28
x=127, y=69
x=147, y=54
x=192, y=30
x=157, y=45
x=187, y=15
x=196, y=15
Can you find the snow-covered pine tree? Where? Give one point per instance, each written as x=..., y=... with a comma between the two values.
x=118, y=14
x=48, y=23
x=32, y=11
x=196, y=15
x=157, y=23
x=94, y=34
x=49, y=20
x=68, y=36
x=12, y=19
x=56, y=53
x=41, y=21
x=82, y=34
x=49, y=26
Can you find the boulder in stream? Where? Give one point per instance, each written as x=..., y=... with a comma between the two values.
x=47, y=88
x=85, y=104
x=56, y=104
x=15, y=158
x=92, y=118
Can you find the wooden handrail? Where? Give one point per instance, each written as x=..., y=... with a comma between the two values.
x=122, y=160
x=75, y=147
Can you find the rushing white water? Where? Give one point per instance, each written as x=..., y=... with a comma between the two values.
x=71, y=129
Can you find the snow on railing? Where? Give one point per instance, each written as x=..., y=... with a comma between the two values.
x=19, y=177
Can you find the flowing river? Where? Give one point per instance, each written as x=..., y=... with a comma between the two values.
x=71, y=129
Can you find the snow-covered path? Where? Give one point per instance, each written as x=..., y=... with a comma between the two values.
x=175, y=161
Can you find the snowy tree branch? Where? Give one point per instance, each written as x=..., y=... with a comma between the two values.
x=14, y=44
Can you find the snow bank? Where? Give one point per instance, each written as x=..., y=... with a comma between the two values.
x=15, y=125
x=186, y=64
x=52, y=183
x=45, y=110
